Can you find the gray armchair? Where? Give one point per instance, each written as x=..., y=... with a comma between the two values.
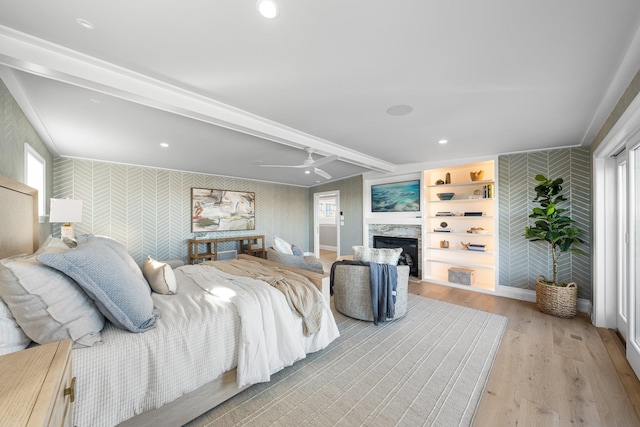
x=310, y=263
x=352, y=293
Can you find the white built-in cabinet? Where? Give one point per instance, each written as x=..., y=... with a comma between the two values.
x=463, y=223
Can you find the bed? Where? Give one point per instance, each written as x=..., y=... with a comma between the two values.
x=191, y=350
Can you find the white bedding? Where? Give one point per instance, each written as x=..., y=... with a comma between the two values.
x=196, y=339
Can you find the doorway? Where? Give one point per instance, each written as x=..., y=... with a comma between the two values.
x=326, y=224
x=616, y=243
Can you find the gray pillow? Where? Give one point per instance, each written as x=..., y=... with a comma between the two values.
x=48, y=305
x=108, y=274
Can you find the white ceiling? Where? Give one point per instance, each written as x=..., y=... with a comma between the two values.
x=228, y=89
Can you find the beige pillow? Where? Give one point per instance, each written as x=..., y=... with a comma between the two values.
x=378, y=255
x=281, y=245
x=160, y=276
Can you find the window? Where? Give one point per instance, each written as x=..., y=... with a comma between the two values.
x=327, y=209
x=35, y=173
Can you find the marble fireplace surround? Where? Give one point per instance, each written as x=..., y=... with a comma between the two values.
x=398, y=230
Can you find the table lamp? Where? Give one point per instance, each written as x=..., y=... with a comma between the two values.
x=67, y=211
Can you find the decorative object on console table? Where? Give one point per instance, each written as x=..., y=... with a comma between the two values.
x=552, y=226
x=67, y=211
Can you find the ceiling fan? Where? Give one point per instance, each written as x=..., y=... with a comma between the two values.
x=310, y=163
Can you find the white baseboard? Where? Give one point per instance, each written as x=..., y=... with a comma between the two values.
x=329, y=248
x=583, y=306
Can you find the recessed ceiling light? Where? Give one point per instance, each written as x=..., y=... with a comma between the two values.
x=95, y=100
x=307, y=172
x=268, y=8
x=86, y=24
x=399, y=110
x=164, y=145
x=442, y=141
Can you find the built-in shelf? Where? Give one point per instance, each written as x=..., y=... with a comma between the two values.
x=435, y=248
x=459, y=184
x=461, y=216
x=470, y=196
x=461, y=233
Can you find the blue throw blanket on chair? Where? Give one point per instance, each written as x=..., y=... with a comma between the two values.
x=383, y=282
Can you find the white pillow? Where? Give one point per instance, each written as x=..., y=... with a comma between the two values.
x=160, y=276
x=378, y=255
x=47, y=304
x=281, y=245
x=12, y=338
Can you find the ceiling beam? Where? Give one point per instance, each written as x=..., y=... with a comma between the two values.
x=36, y=56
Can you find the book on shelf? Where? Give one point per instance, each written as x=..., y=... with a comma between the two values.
x=473, y=214
x=442, y=230
x=487, y=191
x=444, y=214
x=477, y=247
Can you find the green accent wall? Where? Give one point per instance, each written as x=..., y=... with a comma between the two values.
x=520, y=260
x=149, y=210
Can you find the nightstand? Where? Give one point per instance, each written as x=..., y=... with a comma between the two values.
x=36, y=386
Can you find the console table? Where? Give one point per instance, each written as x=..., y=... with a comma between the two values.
x=254, y=245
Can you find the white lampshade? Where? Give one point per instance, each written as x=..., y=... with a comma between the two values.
x=67, y=211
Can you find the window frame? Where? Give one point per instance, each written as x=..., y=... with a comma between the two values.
x=30, y=152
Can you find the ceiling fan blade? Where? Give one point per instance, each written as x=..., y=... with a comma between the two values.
x=321, y=173
x=283, y=166
x=325, y=160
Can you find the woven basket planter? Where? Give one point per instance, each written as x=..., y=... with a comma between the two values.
x=559, y=301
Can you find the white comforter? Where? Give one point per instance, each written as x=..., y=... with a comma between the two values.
x=216, y=322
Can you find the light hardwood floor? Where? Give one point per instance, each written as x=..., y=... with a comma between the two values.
x=548, y=371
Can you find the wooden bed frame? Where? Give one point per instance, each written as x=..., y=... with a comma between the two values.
x=19, y=234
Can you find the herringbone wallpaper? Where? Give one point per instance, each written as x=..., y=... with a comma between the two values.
x=521, y=260
x=149, y=210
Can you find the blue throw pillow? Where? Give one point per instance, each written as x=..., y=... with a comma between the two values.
x=297, y=251
x=108, y=274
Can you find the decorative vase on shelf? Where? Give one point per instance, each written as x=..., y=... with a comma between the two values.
x=447, y=178
x=477, y=176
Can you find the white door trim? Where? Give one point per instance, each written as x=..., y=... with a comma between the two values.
x=316, y=221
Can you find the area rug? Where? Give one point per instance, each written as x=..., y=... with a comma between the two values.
x=428, y=368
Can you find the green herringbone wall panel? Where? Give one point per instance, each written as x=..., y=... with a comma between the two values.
x=149, y=210
x=520, y=260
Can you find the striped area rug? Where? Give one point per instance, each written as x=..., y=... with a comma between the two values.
x=428, y=368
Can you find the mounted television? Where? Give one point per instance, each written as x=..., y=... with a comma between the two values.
x=401, y=196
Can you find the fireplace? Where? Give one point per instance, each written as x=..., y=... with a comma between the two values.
x=409, y=255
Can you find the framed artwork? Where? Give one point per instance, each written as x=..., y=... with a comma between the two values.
x=401, y=196
x=222, y=210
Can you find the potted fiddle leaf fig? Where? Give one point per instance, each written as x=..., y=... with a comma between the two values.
x=554, y=227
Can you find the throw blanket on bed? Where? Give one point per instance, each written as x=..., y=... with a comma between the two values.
x=302, y=295
x=383, y=282
x=268, y=338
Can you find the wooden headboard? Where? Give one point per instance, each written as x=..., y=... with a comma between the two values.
x=19, y=232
